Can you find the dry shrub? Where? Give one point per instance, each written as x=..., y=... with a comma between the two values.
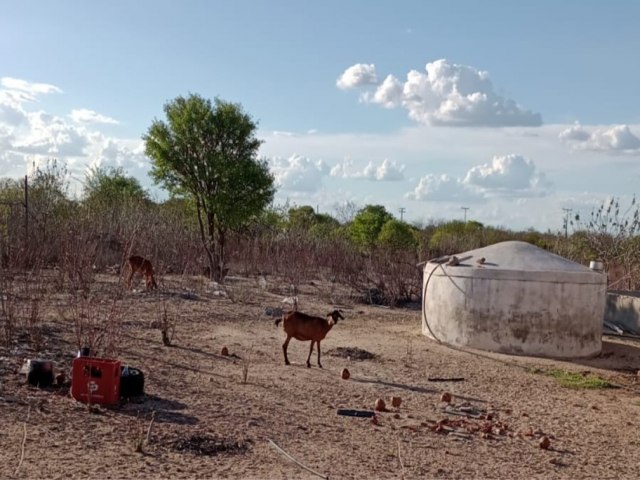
x=97, y=324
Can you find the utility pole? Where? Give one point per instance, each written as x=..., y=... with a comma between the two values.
x=465, y=213
x=566, y=211
x=402, y=210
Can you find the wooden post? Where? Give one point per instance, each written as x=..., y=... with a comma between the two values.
x=26, y=209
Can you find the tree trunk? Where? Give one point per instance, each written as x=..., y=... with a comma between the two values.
x=206, y=242
x=221, y=271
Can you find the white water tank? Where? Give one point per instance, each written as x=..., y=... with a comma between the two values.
x=515, y=298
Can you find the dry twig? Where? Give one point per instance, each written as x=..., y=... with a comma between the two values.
x=24, y=442
x=280, y=450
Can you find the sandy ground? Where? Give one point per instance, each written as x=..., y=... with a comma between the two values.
x=197, y=398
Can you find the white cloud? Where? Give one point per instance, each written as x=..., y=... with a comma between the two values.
x=509, y=174
x=387, y=170
x=282, y=133
x=84, y=115
x=50, y=135
x=447, y=94
x=32, y=138
x=442, y=188
x=28, y=90
x=617, y=138
x=357, y=75
x=388, y=94
x=298, y=173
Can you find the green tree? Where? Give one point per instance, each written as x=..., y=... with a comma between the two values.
x=367, y=224
x=457, y=236
x=398, y=235
x=302, y=217
x=111, y=186
x=316, y=224
x=209, y=152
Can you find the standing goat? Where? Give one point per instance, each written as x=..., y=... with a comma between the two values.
x=305, y=327
x=144, y=266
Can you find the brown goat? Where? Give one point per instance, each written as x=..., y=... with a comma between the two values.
x=144, y=266
x=305, y=327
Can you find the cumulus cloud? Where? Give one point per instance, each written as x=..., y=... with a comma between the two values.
x=509, y=175
x=388, y=94
x=442, y=188
x=446, y=94
x=298, y=173
x=387, y=170
x=617, y=139
x=50, y=135
x=84, y=115
x=357, y=75
x=31, y=137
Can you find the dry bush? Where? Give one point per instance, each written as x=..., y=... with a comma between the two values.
x=167, y=325
x=8, y=308
x=97, y=324
x=21, y=297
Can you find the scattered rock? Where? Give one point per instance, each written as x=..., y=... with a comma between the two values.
x=396, y=402
x=545, y=443
x=445, y=397
x=374, y=420
x=380, y=406
x=224, y=352
x=345, y=374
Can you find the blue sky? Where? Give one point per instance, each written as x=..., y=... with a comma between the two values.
x=514, y=109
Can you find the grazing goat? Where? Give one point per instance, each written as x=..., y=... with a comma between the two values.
x=144, y=266
x=305, y=327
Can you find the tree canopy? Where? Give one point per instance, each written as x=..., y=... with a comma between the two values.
x=109, y=186
x=367, y=224
x=209, y=152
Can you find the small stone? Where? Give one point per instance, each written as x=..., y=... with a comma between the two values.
x=396, y=402
x=545, y=443
x=345, y=374
x=224, y=352
x=380, y=406
x=445, y=397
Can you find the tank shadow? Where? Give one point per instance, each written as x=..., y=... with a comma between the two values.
x=618, y=354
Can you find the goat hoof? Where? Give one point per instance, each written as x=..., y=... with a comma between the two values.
x=287, y=363
x=308, y=365
x=320, y=365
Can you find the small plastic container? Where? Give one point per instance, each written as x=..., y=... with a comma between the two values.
x=96, y=380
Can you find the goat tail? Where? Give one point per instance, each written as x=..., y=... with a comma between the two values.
x=278, y=320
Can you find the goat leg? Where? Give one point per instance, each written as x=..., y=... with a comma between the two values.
x=284, y=349
x=309, y=357
x=319, y=364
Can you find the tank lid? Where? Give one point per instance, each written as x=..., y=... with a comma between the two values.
x=522, y=256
